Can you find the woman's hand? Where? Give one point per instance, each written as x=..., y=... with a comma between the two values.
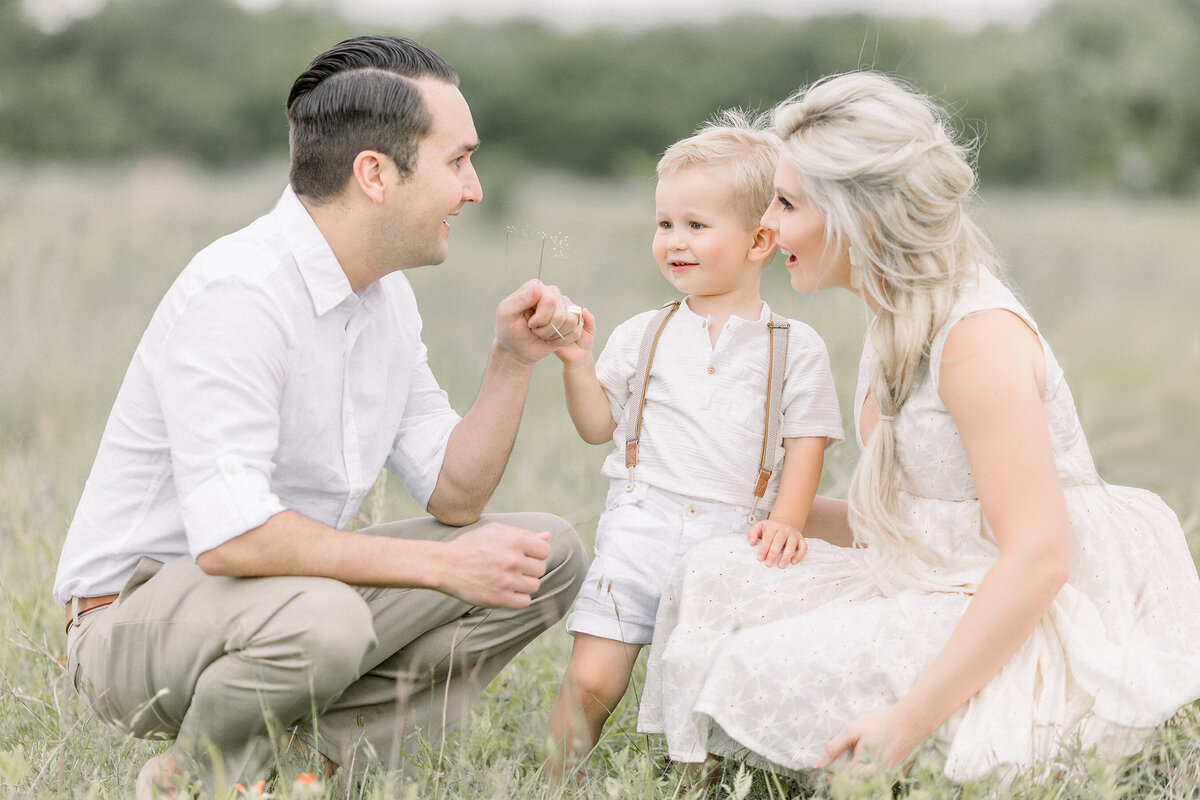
x=780, y=542
x=884, y=738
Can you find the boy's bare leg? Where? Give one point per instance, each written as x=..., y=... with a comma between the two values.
x=595, y=681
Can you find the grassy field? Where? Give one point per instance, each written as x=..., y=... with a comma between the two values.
x=86, y=253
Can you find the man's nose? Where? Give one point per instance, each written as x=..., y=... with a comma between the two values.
x=472, y=188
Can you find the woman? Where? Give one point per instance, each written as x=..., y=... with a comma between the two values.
x=1006, y=605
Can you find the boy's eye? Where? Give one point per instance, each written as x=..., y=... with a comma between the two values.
x=695, y=225
x=664, y=225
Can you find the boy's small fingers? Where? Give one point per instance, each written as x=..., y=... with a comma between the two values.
x=801, y=551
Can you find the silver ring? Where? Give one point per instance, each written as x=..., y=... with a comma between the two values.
x=577, y=311
x=556, y=330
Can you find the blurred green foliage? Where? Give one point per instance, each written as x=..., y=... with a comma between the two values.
x=1088, y=95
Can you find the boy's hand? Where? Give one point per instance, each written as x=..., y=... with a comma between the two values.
x=780, y=541
x=581, y=348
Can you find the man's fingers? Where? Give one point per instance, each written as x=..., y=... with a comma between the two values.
x=556, y=318
x=535, y=567
x=524, y=300
x=536, y=545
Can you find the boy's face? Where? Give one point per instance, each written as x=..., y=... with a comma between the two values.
x=702, y=242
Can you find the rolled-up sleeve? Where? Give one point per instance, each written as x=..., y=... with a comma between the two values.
x=420, y=444
x=222, y=371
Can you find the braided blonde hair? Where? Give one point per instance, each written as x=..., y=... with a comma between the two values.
x=877, y=160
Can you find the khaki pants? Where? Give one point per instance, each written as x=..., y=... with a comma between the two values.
x=366, y=675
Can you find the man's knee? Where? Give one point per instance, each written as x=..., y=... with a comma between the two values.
x=334, y=633
x=567, y=563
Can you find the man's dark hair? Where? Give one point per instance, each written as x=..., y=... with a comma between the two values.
x=359, y=95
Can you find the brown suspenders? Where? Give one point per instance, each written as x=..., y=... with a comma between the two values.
x=777, y=330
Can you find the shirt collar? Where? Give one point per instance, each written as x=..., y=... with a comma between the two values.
x=323, y=276
x=686, y=311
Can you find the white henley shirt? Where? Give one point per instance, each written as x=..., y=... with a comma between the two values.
x=702, y=425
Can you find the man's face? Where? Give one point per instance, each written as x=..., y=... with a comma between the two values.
x=442, y=180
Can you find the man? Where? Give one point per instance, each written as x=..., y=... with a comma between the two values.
x=211, y=594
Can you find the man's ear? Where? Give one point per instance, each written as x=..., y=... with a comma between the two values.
x=763, y=245
x=370, y=174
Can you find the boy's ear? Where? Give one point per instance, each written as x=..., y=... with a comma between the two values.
x=762, y=247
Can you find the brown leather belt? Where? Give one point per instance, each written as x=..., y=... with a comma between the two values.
x=78, y=606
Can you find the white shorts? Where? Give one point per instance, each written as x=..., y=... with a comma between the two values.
x=639, y=539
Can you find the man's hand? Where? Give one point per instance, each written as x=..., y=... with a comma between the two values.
x=496, y=566
x=534, y=321
x=780, y=541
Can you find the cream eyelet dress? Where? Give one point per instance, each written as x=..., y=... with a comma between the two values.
x=768, y=665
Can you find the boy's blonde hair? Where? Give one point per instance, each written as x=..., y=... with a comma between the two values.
x=742, y=143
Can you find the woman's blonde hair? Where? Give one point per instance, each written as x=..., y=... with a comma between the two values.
x=880, y=164
x=739, y=142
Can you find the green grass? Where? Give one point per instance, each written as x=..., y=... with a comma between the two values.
x=86, y=253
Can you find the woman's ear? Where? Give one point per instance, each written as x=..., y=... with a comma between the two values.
x=370, y=173
x=762, y=247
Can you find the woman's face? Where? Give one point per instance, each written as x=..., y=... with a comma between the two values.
x=800, y=233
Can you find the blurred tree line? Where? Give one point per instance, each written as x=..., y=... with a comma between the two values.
x=1092, y=94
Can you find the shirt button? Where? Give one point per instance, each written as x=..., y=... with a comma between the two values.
x=692, y=512
x=711, y=369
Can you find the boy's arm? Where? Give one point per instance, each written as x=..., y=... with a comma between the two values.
x=798, y=479
x=586, y=401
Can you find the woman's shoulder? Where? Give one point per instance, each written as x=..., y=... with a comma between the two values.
x=984, y=292
x=981, y=292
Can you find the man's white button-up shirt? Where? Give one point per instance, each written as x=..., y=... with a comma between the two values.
x=262, y=383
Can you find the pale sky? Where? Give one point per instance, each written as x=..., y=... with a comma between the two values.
x=579, y=14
